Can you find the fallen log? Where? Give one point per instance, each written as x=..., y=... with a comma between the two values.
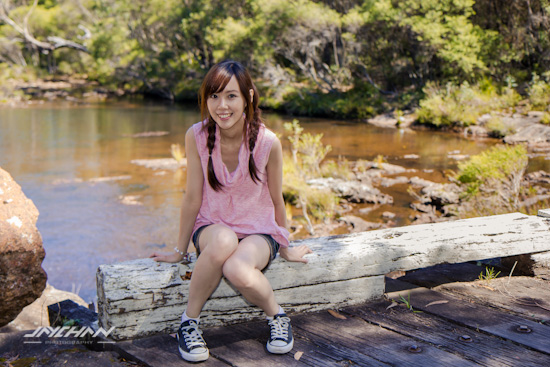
x=541, y=261
x=141, y=297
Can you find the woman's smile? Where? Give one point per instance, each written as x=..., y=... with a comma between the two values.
x=225, y=116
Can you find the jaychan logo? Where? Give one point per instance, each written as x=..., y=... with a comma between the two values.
x=68, y=332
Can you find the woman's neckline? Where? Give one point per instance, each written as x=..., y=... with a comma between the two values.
x=231, y=174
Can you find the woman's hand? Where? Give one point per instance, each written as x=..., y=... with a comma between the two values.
x=295, y=253
x=169, y=257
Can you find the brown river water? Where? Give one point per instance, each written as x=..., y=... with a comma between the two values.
x=56, y=152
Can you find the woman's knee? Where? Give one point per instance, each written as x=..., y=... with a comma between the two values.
x=220, y=243
x=238, y=273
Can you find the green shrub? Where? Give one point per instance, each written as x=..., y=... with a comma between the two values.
x=321, y=204
x=497, y=128
x=449, y=106
x=307, y=150
x=10, y=75
x=337, y=169
x=539, y=93
x=305, y=163
x=491, y=180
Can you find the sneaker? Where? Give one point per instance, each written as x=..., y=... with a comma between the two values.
x=281, y=340
x=191, y=344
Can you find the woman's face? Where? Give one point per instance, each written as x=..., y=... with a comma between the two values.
x=227, y=106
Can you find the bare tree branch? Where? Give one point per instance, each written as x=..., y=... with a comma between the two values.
x=45, y=47
x=59, y=42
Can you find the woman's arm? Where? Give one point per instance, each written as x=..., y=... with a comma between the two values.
x=275, y=184
x=191, y=203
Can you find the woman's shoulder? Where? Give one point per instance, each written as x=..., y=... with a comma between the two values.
x=197, y=130
x=199, y=126
x=196, y=135
x=268, y=134
x=267, y=140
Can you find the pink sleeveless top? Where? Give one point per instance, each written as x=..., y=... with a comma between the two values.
x=242, y=205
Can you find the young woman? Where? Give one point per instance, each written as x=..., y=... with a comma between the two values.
x=233, y=208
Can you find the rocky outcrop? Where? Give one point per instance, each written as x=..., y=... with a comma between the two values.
x=369, y=170
x=356, y=224
x=476, y=131
x=160, y=163
x=353, y=191
x=388, y=182
x=441, y=194
x=390, y=120
x=517, y=128
x=538, y=177
x=436, y=193
x=36, y=314
x=22, y=278
x=534, y=134
x=436, y=202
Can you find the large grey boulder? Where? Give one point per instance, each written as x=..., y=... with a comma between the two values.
x=22, y=278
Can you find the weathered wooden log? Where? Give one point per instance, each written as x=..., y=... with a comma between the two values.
x=541, y=261
x=541, y=265
x=537, y=264
x=141, y=297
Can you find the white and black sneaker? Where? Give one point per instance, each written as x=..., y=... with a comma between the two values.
x=191, y=344
x=281, y=340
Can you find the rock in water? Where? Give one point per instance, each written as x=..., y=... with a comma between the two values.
x=353, y=191
x=22, y=278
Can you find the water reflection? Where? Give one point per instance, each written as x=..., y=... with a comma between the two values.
x=55, y=151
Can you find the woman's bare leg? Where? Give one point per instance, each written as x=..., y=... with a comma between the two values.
x=217, y=243
x=243, y=270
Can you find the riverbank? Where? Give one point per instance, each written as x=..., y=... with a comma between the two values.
x=20, y=94
x=512, y=126
x=519, y=127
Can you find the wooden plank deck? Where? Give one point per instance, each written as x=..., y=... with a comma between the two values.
x=455, y=320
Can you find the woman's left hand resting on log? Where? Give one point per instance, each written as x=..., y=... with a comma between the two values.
x=169, y=257
x=295, y=253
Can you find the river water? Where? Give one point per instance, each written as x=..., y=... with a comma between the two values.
x=61, y=154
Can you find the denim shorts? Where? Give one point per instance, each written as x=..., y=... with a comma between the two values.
x=273, y=245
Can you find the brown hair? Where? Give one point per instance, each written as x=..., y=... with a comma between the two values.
x=215, y=81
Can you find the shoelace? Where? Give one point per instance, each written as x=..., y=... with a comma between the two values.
x=279, y=327
x=192, y=336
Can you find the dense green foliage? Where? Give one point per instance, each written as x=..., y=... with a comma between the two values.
x=345, y=58
x=491, y=181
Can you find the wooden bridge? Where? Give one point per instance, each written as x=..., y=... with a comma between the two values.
x=351, y=316
x=460, y=321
